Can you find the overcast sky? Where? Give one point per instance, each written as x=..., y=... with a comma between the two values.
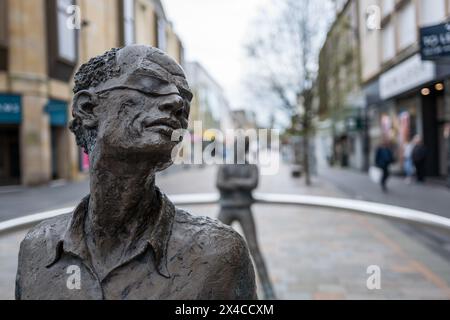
x=213, y=32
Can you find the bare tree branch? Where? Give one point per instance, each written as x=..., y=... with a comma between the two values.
x=284, y=54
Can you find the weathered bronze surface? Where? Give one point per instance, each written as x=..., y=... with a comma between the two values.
x=126, y=240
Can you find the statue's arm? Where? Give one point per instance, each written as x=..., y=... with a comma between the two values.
x=18, y=291
x=249, y=183
x=223, y=182
x=19, y=275
x=232, y=276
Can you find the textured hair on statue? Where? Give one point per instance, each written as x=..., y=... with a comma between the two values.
x=97, y=70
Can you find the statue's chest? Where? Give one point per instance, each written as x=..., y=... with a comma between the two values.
x=238, y=171
x=70, y=278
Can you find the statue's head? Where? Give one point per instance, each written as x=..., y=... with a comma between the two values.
x=127, y=104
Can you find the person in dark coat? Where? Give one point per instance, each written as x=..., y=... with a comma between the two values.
x=419, y=157
x=383, y=159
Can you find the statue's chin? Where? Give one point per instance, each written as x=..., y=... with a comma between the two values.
x=163, y=166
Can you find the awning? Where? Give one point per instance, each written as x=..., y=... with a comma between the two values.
x=57, y=111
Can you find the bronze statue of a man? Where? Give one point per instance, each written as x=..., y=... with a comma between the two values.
x=236, y=183
x=126, y=240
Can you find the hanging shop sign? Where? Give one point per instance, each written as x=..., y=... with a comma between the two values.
x=435, y=42
x=58, y=112
x=10, y=109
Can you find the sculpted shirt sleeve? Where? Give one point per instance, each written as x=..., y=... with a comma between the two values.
x=236, y=281
x=231, y=183
x=223, y=182
x=248, y=183
x=252, y=181
x=28, y=258
x=18, y=290
x=23, y=267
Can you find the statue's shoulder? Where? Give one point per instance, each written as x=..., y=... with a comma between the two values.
x=210, y=235
x=45, y=234
x=218, y=253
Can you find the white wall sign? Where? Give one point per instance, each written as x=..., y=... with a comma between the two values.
x=407, y=75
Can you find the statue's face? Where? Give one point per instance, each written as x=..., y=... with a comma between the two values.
x=131, y=122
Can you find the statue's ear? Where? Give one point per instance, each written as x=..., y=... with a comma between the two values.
x=84, y=103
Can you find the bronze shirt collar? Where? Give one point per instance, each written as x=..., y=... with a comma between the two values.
x=72, y=241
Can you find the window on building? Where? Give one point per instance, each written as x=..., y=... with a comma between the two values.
x=3, y=23
x=67, y=48
x=388, y=42
x=129, y=31
x=62, y=39
x=162, y=36
x=431, y=14
x=407, y=30
x=3, y=35
x=388, y=7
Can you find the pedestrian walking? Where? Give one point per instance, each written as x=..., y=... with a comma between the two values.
x=408, y=165
x=383, y=159
x=419, y=157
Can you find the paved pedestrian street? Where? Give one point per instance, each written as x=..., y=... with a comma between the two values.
x=311, y=253
x=324, y=254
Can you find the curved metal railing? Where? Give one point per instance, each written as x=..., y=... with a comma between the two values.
x=355, y=206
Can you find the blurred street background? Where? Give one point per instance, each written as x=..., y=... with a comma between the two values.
x=344, y=82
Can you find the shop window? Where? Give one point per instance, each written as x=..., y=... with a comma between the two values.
x=3, y=22
x=62, y=40
x=162, y=36
x=431, y=14
x=407, y=30
x=66, y=36
x=3, y=35
x=129, y=30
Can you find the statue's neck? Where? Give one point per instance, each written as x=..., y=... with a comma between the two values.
x=122, y=200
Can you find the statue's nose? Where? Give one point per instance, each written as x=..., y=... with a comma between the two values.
x=173, y=104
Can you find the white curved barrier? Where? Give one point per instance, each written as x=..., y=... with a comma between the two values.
x=31, y=219
x=357, y=206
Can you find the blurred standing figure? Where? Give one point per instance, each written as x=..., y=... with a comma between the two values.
x=419, y=157
x=236, y=183
x=383, y=159
x=408, y=165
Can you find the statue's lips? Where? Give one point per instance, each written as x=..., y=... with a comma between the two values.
x=165, y=126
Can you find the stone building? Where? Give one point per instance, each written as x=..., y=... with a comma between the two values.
x=41, y=44
x=341, y=104
x=210, y=105
x=374, y=83
x=405, y=95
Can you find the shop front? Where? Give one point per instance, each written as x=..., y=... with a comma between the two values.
x=10, y=120
x=412, y=102
x=58, y=121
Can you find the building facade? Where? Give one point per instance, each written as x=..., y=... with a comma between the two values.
x=42, y=42
x=405, y=95
x=341, y=99
x=209, y=105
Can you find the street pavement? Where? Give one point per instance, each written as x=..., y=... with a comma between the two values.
x=426, y=197
x=21, y=201
x=310, y=253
